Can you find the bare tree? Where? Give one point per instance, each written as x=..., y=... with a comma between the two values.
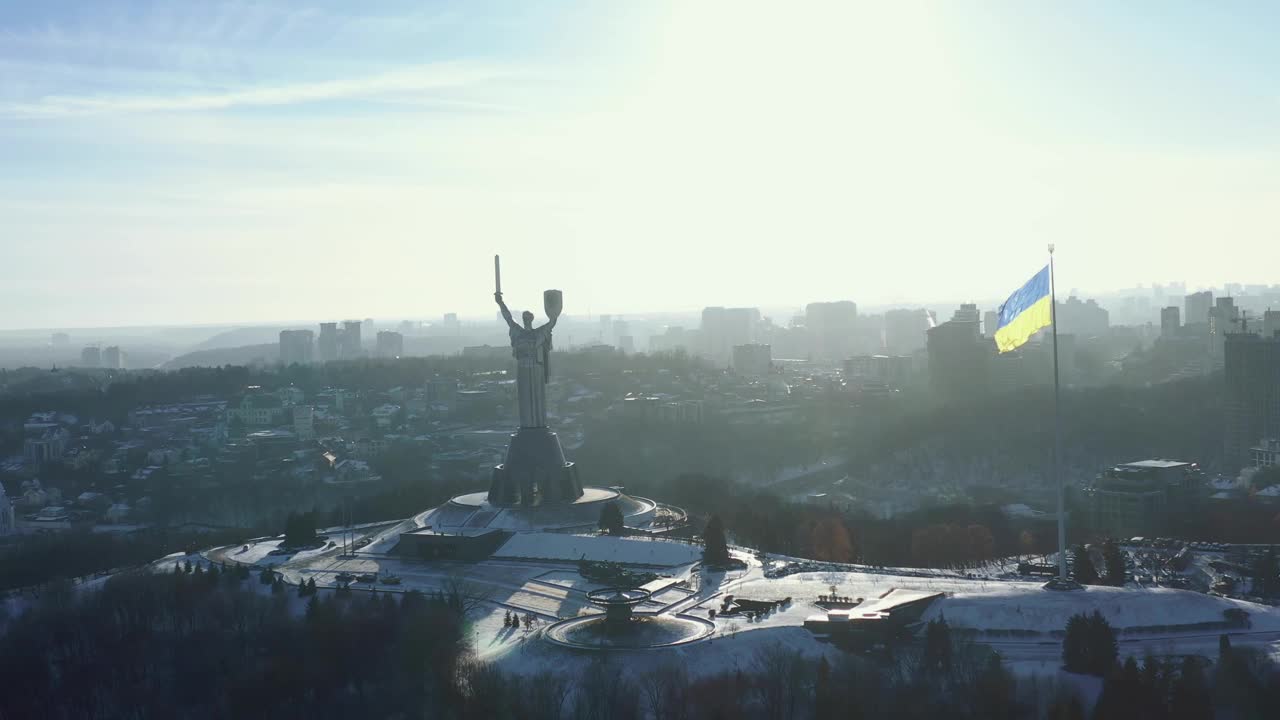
x=666, y=688
x=463, y=596
x=782, y=680
x=605, y=694
x=545, y=696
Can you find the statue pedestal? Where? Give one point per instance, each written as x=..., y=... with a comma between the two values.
x=535, y=472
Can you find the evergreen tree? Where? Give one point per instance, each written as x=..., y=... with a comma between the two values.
x=715, y=546
x=1121, y=697
x=1082, y=569
x=1156, y=687
x=1089, y=645
x=311, y=586
x=824, y=700
x=937, y=646
x=1066, y=706
x=611, y=520
x=1113, y=562
x=266, y=576
x=994, y=691
x=1190, y=698
x=1104, y=649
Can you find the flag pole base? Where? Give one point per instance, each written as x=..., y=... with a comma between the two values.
x=1060, y=584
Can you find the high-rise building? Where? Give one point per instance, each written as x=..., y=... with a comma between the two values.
x=627, y=344
x=1266, y=453
x=1170, y=323
x=450, y=324
x=904, y=330
x=113, y=357
x=1270, y=323
x=329, y=343
x=351, y=347
x=1252, y=384
x=1222, y=323
x=1224, y=316
x=832, y=327
x=675, y=338
x=296, y=346
x=60, y=340
x=990, y=322
x=752, y=360
x=1196, y=307
x=723, y=328
x=91, y=356
x=967, y=312
x=1084, y=318
x=959, y=359
x=389, y=344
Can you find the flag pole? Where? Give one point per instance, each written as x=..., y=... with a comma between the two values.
x=1057, y=428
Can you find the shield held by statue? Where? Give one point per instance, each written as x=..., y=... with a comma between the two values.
x=552, y=303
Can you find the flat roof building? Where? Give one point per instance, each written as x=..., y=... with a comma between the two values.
x=1141, y=497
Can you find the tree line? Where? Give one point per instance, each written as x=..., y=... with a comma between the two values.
x=958, y=536
x=208, y=645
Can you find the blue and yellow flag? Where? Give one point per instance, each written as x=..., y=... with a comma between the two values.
x=1027, y=310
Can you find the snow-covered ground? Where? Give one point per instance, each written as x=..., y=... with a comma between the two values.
x=537, y=573
x=634, y=551
x=1016, y=605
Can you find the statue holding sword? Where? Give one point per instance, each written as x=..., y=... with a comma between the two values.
x=531, y=347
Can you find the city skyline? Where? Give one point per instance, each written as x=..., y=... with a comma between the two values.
x=226, y=162
x=779, y=314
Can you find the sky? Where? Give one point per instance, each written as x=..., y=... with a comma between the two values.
x=215, y=161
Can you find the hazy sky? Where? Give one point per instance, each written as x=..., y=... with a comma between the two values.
x=234, y=161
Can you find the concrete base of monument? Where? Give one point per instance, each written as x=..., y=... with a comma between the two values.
x=473, y=511
x=535, y=471
x=644, y=631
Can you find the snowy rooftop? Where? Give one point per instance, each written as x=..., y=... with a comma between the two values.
x=1158, y=463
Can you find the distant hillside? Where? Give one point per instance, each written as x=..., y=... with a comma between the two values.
x=240, y=337
x=243, y=355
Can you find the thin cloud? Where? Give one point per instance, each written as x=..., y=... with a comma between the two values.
x=422, y=79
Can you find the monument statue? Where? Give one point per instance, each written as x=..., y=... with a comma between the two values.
x=531, y=347
x=535, y=471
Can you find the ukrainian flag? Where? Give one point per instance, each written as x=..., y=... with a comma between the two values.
x=1026, y=311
